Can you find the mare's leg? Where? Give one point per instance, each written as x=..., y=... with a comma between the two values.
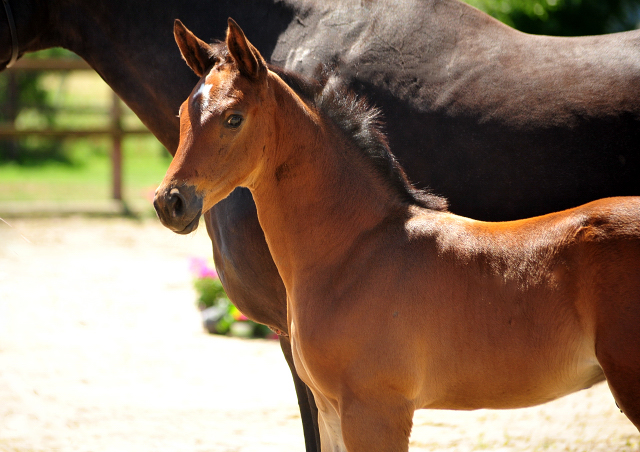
x=306, y=402
x=379, y=423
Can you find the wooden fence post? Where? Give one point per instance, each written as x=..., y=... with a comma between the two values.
x=116, y=150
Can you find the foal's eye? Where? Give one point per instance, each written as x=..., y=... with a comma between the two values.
x=234, y=121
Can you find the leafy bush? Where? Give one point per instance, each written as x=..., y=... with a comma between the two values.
x=564, y=17
x=21, y=94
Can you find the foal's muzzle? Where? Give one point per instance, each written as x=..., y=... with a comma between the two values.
x=178, y=208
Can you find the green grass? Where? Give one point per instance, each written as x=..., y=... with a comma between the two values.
x=89, y=176
x=81, y=100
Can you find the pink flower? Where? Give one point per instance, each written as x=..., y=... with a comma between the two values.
x=200, y=269
x=237, y=315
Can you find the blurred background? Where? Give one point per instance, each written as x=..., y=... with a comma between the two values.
x=68, y=143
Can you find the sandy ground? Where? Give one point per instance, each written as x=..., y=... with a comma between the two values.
x=101, y=349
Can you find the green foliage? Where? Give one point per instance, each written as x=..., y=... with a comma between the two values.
x=220, y=316
x=23, y=96
x=21, y=93
x=28, y=91
x=564, y=17
x=210, y=292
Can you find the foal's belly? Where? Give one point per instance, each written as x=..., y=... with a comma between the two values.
x=531, y=380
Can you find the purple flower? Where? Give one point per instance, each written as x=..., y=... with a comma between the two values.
x=200, y=269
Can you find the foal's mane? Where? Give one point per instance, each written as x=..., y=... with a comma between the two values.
x=363, y=123
x=358, y=120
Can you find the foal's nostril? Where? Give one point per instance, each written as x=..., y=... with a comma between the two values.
x=179, y=209
x=176, y=203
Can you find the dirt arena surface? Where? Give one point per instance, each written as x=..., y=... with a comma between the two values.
x=101, y=350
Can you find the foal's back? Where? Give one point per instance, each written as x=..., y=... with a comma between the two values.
x=585, y=253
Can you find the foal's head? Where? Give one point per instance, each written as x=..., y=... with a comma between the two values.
x=216, y=152
x=234, y=114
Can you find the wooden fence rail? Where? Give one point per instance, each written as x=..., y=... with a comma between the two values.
x=114, y=130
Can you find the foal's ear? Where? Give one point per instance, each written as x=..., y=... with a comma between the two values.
x=195, y=51
x=249, y=61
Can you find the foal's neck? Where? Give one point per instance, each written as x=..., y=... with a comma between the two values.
x=317, y=193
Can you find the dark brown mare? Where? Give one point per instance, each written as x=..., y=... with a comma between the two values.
x=393, y=303
x=525, y=124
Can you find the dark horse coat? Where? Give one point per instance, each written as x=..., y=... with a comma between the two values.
x=505, y=125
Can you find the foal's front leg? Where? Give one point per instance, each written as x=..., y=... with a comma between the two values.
x=329, y=426
x=365, y=424
x=381, y=422
x=306, y=402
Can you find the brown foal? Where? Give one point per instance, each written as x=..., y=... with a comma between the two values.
x=393, y=303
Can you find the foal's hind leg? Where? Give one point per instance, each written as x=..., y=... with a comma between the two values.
x=377, y=424
x=618, y=352
x=624, y=382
